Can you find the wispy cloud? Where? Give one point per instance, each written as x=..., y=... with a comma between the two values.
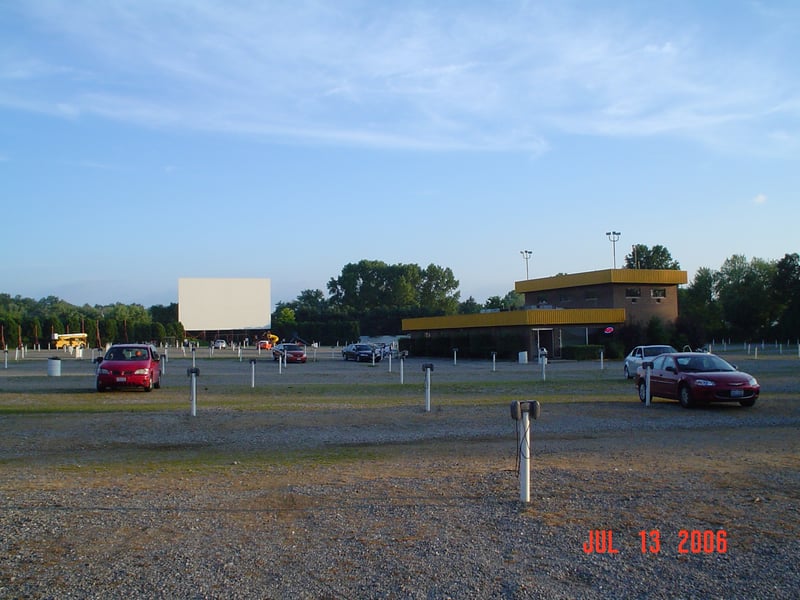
x=498, y=76
x=760, y=199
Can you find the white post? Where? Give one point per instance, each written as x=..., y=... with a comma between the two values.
x=455, y=356
x=524, y=434
x=755, y=353
x=240, y=354
x=427, y=367
x=252, y=372
x=427, y=390
x=601, y=360
x=193, y=355
x=647, y=371
x=402, y=361
x=193, y=373
x=544, y=368
x=494, y=362
x=390, y=361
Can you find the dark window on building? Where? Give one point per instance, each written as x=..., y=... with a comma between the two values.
x=633, y=292
x=658, y=293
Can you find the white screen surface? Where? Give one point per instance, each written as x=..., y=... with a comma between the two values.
x=219, y=303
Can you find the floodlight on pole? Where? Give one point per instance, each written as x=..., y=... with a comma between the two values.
x=526, y=255
x=613, y=237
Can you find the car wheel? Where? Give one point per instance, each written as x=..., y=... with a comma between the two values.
x=643, y=391
x=157, y=384
x=100, y=387
x=747, y=403
x=685, y=397
x=627, y=373
x=149, y=386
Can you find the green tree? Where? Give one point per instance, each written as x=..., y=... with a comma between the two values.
x=493, y=303
x=786, y=296
x=743, y=289
x=700, y=318
x=513, y=301
x=657, y=257
x=469, y=307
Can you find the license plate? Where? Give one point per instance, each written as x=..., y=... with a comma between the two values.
x=737, y=393
x=121, y=379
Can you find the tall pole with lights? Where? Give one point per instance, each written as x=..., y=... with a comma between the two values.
x=613, y=237
x=526, y=255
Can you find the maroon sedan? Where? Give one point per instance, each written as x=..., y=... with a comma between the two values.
x=129, y=365
x=697, y=377
x=295, y=353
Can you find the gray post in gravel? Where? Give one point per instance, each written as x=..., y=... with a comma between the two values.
x=193, y=375
x=521, y=413
x=427, y=367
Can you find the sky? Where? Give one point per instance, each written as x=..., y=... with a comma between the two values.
x=142, y=141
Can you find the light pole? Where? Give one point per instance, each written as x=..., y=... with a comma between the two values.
x=613, y=237
x=526, y=255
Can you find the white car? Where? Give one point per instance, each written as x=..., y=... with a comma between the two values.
x=634, y=360
x=220, y=344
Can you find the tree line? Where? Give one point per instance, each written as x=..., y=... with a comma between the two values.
x=28, y=322
x=743, y=300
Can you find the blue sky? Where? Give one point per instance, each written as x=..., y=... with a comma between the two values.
x=287, y=139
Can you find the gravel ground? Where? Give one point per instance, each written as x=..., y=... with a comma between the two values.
x=357, y=503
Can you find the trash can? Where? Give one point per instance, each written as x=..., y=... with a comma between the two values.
x=54, y=367
x=523, y=358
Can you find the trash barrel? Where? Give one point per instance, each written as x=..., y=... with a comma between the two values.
x=523, y=358
x=54, y=367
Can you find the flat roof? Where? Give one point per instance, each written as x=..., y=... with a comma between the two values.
x=604, y=277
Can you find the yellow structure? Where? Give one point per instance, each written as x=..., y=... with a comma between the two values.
x=560, y=310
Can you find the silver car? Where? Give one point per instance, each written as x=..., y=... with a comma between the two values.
x=634, y=360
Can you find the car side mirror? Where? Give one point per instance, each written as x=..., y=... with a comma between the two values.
x=98, y=360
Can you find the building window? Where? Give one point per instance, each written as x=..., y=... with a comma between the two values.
x=658, y=293
x=633, y=292
x=565, y=298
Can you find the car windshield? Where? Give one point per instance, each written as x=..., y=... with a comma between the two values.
x=703, y=364
x=364, y=348
x=127, y=354
x=292, y=347
x=656, y=350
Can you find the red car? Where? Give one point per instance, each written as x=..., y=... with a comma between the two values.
x=295, y=353
x=696, y=377
x=129, y=365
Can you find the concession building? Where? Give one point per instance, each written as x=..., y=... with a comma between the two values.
x=559, y=311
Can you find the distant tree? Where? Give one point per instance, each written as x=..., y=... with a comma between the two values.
x=657, y=257
x=743, y=289
x=469, y=307
x=493, y=303
x=373, y=285
x=786, y=296
x=512, y=300
x=700, y=318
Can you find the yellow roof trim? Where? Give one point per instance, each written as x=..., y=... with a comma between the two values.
x=572, y=316
x=607, y=276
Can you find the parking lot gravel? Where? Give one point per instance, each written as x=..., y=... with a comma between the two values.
x=343, y=501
